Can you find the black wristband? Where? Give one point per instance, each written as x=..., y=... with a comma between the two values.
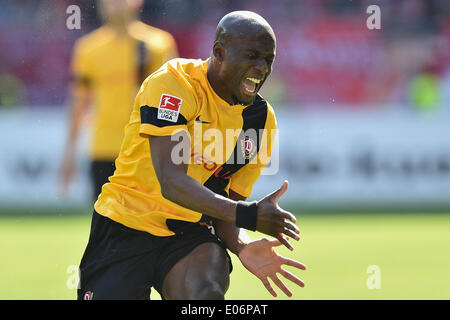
x=246, y=215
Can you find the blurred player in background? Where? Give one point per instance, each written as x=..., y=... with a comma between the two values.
x=108, y=66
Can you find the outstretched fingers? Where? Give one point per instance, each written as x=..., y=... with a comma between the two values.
x=292, y=278
x=281, y=285
x=269, y=288
x=276, y=267
x=288, y=229
x=284, y=241
x=286, y=215
x=293, y=263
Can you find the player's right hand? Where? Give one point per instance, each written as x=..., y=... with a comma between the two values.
x=274, y=221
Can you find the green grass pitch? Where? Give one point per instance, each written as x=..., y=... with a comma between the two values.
x=411, y=253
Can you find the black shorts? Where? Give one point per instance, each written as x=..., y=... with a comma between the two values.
x=100, y=172
x=124, y=263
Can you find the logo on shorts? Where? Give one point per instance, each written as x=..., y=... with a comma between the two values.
x=169, y=107
x=248, y=147
x=88, y=295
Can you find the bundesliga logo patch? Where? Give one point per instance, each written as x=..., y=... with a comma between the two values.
x=169, y=107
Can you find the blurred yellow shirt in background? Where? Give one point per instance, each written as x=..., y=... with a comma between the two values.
x=111, y=65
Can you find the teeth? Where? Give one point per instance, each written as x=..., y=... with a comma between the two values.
x=257, y=81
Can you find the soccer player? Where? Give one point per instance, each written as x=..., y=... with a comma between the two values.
x=108, y=67
x=167, y=224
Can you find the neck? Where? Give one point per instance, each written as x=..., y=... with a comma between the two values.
x=120, y=26
x=215, y=82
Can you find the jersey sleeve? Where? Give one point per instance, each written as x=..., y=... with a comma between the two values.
x=166, y=104
x=243, y=180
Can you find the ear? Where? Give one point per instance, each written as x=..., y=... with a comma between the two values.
x=218, y=51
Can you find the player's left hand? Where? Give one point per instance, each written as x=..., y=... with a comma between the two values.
x=260, y=258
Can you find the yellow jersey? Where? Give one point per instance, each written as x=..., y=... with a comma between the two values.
x=111, y=65
x=229, y=146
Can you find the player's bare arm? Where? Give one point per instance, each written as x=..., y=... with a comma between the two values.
x=234, y=238
x=185, y=191
x=81, y=95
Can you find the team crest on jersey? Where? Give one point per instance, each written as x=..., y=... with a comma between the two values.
x=169, y=107
x=248, y=147
x=88, y=295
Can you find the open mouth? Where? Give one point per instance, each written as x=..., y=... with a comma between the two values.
x=250, y=85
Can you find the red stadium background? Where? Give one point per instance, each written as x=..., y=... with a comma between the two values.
x=326, y=55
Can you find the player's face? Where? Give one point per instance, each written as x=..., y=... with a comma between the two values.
x=247, y=64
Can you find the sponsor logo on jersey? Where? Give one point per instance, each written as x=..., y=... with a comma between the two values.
x=248, y=147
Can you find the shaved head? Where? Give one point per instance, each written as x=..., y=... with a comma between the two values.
x=240, y=23
x=241, y=57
